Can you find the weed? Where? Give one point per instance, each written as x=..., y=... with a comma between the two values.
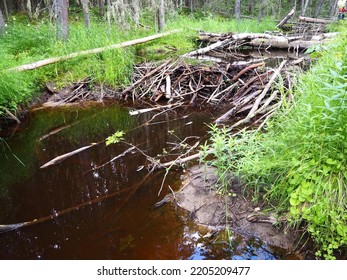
x=301, y=160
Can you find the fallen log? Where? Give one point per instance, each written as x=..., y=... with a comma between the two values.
x=286, y=18
x=314, y=20
x=52, y=60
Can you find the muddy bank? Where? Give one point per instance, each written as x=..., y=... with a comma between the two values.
x=205, y=207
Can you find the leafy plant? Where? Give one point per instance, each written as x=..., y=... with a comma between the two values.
x=115, y=138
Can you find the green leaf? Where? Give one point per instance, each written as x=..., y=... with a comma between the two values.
x=341, y=230
x=115, y=138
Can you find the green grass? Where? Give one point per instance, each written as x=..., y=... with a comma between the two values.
x=300, y=162
x=27, y=42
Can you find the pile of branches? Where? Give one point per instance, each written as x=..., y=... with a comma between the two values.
x=239, y=87
x=76, y=93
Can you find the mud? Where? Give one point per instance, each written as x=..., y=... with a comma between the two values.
x=208, y=208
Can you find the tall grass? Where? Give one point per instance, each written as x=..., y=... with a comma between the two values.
x=26, y=42
x=300, y=162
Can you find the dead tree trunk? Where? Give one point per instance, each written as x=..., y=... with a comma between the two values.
x=85, y=7
x=314, y=20
x=2, y=24
x=286, y=18
x=52, y=60
x=61, y=12
x=161, y=15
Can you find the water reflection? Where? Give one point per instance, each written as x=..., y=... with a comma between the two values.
x=123, y=226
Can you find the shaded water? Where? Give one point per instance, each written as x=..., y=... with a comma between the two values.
x=125, y=226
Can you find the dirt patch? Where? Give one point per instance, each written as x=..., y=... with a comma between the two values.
x=202, y=204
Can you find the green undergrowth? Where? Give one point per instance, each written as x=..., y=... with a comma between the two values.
x=26, y=42
x=299, y=164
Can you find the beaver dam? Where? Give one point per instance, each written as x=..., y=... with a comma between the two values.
x=67, y=195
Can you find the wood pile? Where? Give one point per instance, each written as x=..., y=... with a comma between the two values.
x=275, y=40
x=239, y=87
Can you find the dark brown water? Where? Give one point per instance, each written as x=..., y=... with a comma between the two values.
x=124, y=226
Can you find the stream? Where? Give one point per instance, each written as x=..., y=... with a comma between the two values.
x=125, y=226
x=121, y=222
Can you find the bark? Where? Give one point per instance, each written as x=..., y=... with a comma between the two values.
x=314, y=20
x=101, y=7
x=29, y=9
x=121, y=13
x=136, y=12
x=161, y=15
x=286, y=18
x=85, y=7
x=237, y=9
x=109, y=15
x=61, y=12
x=2, y=24
x=48, y=61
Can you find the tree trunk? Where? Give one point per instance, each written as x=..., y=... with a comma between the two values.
x=121, y=12
x=251, y=7
x=260, y=12
x=5, y=9
x=304, y=7
x=237, y=9
x=101, y=7
x=20, y=5
x=190, y=2
x=29, y=9
x=48, y=5
x=108, y=15
x=85, y=7
x=318, y=8
x=52, y=60
x=333, y=9
x=2, y=24
x=61, y=12
x=136, y=12
x=161, y=15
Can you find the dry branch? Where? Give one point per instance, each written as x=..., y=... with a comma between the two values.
x=286, y=18
x=65, y=156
